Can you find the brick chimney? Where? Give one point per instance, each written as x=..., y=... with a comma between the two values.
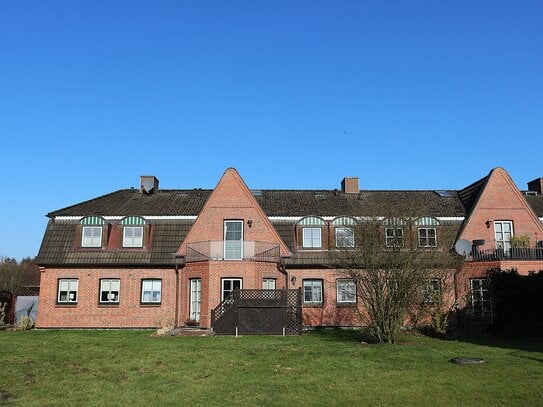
x=349, y=185
x=148, y=184
x=536, y=185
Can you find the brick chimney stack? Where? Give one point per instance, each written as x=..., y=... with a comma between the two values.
x=536, y=185
x=148, y=184
x=349, y=185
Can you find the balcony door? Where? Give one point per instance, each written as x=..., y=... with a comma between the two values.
x=503, y=231
x=233, y=239
x=195, y=298
x=229, y=285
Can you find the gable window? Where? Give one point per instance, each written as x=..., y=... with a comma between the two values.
x=431, y=291
x=233, y=239
x=151, y=291
x=427, y=237
x=268, y=284
x=133, y=236
x=312, y=292
x=344, y=237
x=311, y=237
x=503, y=231
x=345, y=291
x=229, y=285
x=480, y=301
x=67, y=290
x=109, y=290
x=394, y=237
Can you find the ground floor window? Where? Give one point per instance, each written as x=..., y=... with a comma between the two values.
x=151, y=291
x=268, y=283
x=312, y=292
x=67, y=290
x=109, y=290
x=228, y=285
x=195, y=298
x=480, y=300
x=345, y=291
x=431, y=291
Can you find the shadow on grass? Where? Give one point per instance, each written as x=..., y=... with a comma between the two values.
x=355, y=335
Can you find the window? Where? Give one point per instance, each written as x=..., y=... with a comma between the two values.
x=345, y=291
x=431, y=292
x=109, y=290
x=151, y=291
x=427, y=237
x=503, y=231
x=133, y=236
x=394, y=237
x=91, y=236
x=312, y=292
x=311, y=237
x=344, y=237
x=195, y=298
x=268, y=284
x=233, y=239
x=67, y=290
x=229, y=285
x=480, y=301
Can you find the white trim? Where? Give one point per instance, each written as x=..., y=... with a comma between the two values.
x=180, y=217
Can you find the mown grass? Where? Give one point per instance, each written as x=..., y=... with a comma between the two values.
x=323, y=368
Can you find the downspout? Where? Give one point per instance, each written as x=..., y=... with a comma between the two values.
x=281, y=268
x=179, y=261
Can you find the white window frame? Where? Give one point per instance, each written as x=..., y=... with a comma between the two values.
x=396, y=238
x=345, y=291
x=313, y=287
x=502, y=237
x=431, y=292
x=341, y=240
x=231, y=280
x=92, y=240
x=195, y=299
x=480, y=298
x=149, y=289
x=70, y=286
x=311, y=237
x=233, y=248
x=132, y=241
x=269, y=283
x=111, y=287
x=425, y=241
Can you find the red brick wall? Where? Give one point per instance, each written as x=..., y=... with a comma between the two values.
x=88, y=313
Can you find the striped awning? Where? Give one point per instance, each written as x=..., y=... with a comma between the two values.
x=133, y=220
x=427, y=221
x=312, y=221
x=92, y=220
x=343, y=221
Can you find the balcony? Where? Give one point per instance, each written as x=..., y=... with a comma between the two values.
x=515, y=253
x=219, y=250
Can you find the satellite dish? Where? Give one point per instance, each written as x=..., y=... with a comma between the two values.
x=463, y=247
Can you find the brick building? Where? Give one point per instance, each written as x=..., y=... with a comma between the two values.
x=152, y=257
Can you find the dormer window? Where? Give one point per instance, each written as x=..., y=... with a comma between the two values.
x=394, y=232
x=91, y=233
x=427, y=231
x=133, y=231
x=344, y=230
x=312, y=232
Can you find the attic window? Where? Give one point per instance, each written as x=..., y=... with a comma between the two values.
x=444, y=194
x=133, y=231
x=91, y=234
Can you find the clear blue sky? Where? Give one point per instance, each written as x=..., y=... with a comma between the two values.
x=294, y=94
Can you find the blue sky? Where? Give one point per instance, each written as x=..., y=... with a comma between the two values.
x=294, y=94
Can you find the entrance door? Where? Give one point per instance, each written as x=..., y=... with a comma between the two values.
x=195, y=298
x=229, y=285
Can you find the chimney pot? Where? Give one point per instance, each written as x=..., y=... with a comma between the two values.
x=349, y=185
x=536, y=185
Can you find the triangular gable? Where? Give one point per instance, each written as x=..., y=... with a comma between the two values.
x=232, y=200
x=500, y=199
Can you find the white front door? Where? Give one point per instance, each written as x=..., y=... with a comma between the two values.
x=195, y=298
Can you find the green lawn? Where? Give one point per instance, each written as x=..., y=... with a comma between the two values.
x=325, y=368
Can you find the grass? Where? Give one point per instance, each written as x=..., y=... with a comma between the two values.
x=323, y=368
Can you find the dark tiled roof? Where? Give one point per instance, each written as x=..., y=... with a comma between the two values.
x=536, y=202
x=468, y=196
x=57, y=247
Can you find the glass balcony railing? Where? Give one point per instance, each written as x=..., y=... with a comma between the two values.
x=218, y=250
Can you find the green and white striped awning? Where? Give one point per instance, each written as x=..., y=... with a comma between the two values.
x=311, y=221
x=394, y=222
x=344, y=221
x=427, y=221
x=92, y=220
x=133, y=220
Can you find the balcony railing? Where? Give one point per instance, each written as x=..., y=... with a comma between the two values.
x=515, y=253
x=233, y=250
